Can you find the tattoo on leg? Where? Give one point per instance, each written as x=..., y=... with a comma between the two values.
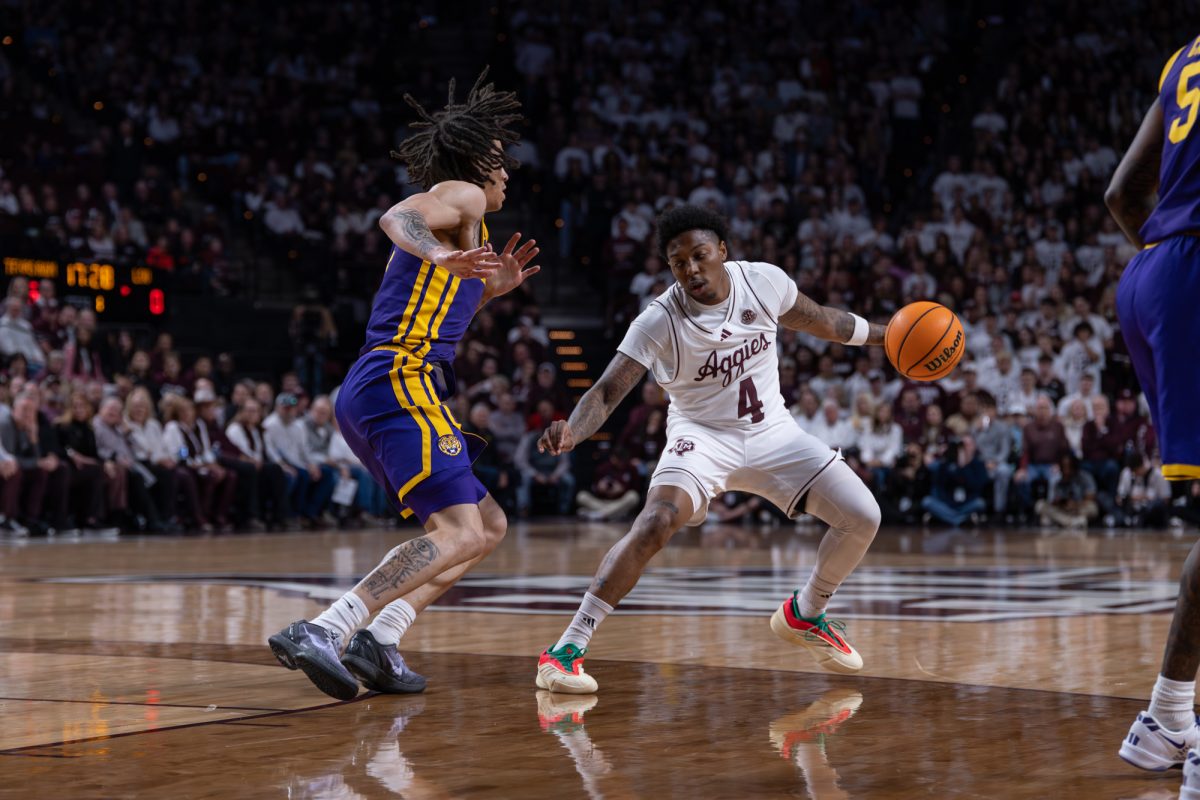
x=406, y=560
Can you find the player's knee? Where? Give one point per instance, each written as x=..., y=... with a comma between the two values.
x=495, y=525
x=864, y=516
x=654, y=527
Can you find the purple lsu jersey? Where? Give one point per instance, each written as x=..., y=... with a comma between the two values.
x=422, y=308
x=392, y=405
x=1178, y=209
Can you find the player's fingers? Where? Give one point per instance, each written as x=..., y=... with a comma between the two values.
x=478, y=251
x=512, y=243
x=522, y=260
x=525, y=273
x=525, y=248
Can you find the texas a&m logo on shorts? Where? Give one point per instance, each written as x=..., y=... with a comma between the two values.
x=682, y=446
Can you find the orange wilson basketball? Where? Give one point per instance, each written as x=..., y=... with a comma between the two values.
x=924, y=341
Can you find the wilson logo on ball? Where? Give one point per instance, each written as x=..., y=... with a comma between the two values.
x=946, y=354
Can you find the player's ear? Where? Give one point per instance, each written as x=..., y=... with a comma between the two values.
x=722, y=250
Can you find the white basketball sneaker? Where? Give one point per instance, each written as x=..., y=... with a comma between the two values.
x=1191, y=777
x=1152, y=747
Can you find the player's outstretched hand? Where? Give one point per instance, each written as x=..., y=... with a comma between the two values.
x=556, y=439
x=513, y=266
x=482, y=262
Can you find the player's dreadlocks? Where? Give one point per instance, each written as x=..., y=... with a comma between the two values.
x=458, y=143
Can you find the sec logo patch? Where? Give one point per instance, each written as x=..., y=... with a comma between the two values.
x=449, y=444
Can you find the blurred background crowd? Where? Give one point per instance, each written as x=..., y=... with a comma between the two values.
x=878, y=154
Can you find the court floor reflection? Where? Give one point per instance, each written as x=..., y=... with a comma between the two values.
x=657, y=730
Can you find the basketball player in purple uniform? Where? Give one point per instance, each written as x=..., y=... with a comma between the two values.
x=1155, y=198
x=392, y=406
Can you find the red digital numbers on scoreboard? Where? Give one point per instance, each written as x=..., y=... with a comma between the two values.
x=157, y=302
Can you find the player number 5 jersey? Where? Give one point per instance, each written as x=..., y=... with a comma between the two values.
x=718, y=363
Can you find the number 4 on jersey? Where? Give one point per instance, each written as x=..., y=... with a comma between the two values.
x=748, y=402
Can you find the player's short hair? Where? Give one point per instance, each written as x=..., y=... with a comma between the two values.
x=683, y=218
x=458, y=142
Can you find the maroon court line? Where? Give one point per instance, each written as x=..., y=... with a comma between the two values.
x=131, y=703
x=164, y=729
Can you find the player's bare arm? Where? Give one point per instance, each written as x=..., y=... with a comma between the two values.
x=1133, y=191
x=622, y=374
x=824, y=322
x=452, y=209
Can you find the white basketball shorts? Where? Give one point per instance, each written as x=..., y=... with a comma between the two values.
x=775, y=460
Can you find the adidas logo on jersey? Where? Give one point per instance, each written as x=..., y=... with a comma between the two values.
x=732, y=365
x=725, y=334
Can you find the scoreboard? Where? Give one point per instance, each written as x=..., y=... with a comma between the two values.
x=117, y=291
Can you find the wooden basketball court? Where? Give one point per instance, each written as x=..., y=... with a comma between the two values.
x=999, y=665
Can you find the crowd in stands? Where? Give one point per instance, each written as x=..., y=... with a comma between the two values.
x=99, y=430
x=879, y=154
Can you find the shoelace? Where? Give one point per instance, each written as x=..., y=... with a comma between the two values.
x=566, y=659
x=827, y=627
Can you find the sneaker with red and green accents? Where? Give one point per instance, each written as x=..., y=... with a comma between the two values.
x=820, y=636
x=562, y=671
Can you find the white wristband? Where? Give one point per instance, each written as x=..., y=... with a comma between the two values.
x=861, y=331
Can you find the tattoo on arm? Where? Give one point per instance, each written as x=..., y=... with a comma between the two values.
x=412, y=232
x=831, y=324
x=596, y=406
x=404, y=562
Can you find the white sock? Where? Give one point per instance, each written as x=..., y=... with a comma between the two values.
x=392, y=622
x=591, y=613
x=814, y=597
x=345, y=615
x=1173, y=704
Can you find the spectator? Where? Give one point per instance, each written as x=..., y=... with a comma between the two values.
x=45, y=479
x=114, y=445
x=318, y=432
x=880, y=446
x=831, y=429
x=1142, y=493
x=16, y=335
x=247, y=507
x=1044, y=445
x=997, y=441
x=1073, y=500
x=506, y=425
x=216, y=486
x=287, y=446
x=613, y=493
x=92, y=480
x=245, y=433
x=543, y=472
x=151, y=451
x=959, y=483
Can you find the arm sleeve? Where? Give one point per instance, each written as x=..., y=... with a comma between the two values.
x=649, y=342
x=772, y=286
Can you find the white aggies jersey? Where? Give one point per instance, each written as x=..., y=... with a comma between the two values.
x=718, y=363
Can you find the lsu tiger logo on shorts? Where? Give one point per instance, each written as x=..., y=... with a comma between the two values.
x=749, y=316
x=682, y=446
x=449, y=444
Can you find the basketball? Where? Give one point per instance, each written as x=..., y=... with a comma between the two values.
x=924, y=341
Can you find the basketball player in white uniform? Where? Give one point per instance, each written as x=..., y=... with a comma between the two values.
x=709, y=340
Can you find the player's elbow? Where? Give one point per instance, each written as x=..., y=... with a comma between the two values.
x=1116, y=198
